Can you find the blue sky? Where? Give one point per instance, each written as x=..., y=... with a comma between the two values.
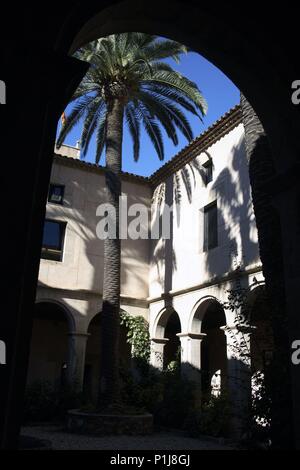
x=220, y=93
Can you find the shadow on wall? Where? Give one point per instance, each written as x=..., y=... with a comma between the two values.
x=163, y=255
x=170, y=192
x=236, y=223
x=135, y=253
x=237, y=236
x=84, y=250
x=134, y=257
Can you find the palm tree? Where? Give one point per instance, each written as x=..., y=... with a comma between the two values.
x=128, y=80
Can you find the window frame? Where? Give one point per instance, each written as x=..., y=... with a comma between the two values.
x=62, y=186
x=207, y=245
x=49, y=252
x=208, y=165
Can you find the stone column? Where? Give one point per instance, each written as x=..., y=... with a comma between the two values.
x=191, y=354
x=157, y=346
x=76, y=359
x=238, y=375
x=191, y=360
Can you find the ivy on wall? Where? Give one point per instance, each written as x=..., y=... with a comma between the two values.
x=137, y=335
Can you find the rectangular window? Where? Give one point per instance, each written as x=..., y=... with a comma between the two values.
x=208, y=167
x=210, y=226
x=56, y=193
x=53, y=240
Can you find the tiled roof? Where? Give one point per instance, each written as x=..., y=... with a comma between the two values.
x=75, y=162
x=201, y=143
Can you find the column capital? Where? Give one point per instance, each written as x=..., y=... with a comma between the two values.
x=159, y=340
x=238, y=328
x=81, y=334
x=198, y=336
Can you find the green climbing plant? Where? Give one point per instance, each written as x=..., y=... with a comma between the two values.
x=137, y=336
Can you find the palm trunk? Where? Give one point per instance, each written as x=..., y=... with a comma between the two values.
x=261, y=168
x=110, y=316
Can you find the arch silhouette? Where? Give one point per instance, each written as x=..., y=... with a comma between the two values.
x=161, y=321
x=198, y=313
x=64, y=308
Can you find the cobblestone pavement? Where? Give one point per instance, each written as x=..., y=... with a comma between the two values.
x=62, y=440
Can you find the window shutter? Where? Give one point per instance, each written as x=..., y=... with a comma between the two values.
x=213, y=226
x=210, y=227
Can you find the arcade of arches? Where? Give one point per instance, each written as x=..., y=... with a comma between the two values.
x=204, y=353
x=59, y=359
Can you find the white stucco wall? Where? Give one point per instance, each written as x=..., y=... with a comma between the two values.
x=82, y=265
x=237, y=235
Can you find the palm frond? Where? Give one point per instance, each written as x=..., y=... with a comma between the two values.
x=134, y=129
x=152, y=130
x=90, y=124
x=184, y=86
x=157, y=107
x=157, y=95
x=172, y=94
x=181, y=121
x=74, y=117
x=159, y=50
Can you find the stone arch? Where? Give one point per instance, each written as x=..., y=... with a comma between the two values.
x=253, y=291
x=165, y=341
x=67, y=311
x=93, y=355
x=198, y=313
x=160, y=323
x=206, y=322
x=50, y=352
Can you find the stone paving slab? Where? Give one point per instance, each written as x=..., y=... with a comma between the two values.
x=62, y=440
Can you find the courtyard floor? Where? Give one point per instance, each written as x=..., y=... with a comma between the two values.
x=162, y=440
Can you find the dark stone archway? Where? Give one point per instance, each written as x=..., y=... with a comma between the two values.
x=261, y=65
x=213, y=349
x=49, y=355
x=172, y=347
x=93, y=357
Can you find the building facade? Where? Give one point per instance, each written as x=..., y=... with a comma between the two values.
x=179, y=284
